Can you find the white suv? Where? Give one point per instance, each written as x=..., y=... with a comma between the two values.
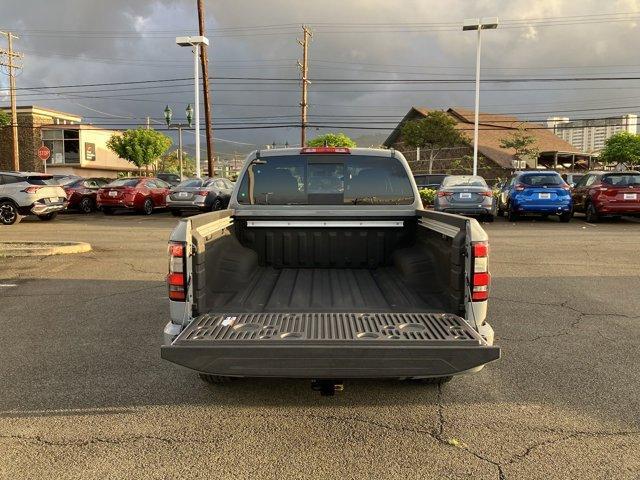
x=24, y=193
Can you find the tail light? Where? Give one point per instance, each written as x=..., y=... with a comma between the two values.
x=177, y=278
x=566, y=187
x=444, y=194
x=520, y=187
x=488, y=193
x=481, y=278
x=325, y=150
x=31, y=189
x=202, y=192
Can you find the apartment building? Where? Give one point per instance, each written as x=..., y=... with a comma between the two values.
x=590, y=135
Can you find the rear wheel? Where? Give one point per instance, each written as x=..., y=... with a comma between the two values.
x=86, y=205
x=591, y=214
x=48, y=216
x=217, y=205
x=512, y=216
x=9, y=213
x=216, y=379
x=487, y=218
x=175, y=212
x=147, y=207
x=565, y=217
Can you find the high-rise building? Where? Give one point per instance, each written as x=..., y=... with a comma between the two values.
x=590, y=135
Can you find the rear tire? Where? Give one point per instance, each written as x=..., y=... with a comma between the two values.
x=48, y=216
x=512, y=216
x=215, y=379
x=86, y=205
x=591, y=214
x=217, y=205
x=9, y=213
x=487, y=218
x=175, y=212
x=565, y=217
x=147, y=207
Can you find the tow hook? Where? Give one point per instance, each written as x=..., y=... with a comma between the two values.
x=327, y=386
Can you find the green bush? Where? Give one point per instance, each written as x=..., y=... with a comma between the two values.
x=428, y=195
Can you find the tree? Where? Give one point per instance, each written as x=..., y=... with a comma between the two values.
x=140, y=146
x=170, y=163
x=332, y=140
x=5, y=119
x=523, y=143
x=623, y=147
x=433, y=133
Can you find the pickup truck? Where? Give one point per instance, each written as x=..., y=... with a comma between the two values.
x=325, y=266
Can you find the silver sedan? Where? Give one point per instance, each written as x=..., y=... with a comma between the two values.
x=466, y=195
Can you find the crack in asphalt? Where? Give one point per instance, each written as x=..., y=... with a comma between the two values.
x=564, y=332
x=133, y=268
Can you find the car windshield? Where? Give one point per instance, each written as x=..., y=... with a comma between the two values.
x=326, y=180
x=622, y=179
x=124, y=182
x=191, y=183
x=464, y=181
x=541, y=179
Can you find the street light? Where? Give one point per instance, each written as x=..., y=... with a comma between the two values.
x=479, y=25
x=167, y=117
x=195, y=42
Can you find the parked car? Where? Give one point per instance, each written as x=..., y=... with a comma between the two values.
x=141, y=194
x=572, y=179
x=63, y=179
x=82, y=193
x=24, y=193
x=429, y=180
x=600, y=194
x=311, y=277
x=205, y=195
x=172, y=179
x=536, y=193
x=467, y=195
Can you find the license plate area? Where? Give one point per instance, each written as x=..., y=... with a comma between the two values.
x=544, y=196
x=465, y=196
x=113, y=193
x=630, y=196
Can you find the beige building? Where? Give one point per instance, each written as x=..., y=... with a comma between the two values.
x=76, y=148
x=590, y=135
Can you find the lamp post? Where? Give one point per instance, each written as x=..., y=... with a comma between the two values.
x=195, y=42
x=167, y=117
x=479, y=25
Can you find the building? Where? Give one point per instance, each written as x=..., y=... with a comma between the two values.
x=493, y=160
x=590, y=135
x=76, y=148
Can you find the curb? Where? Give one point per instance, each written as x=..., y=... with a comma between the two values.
x=39, y=249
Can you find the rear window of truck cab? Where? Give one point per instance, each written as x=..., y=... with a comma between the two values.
x=325, y=180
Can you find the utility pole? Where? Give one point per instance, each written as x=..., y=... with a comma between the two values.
x=204, y=60
x=304, y=68
x=11, y=55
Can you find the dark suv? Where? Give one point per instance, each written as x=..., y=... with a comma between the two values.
x=600, y=194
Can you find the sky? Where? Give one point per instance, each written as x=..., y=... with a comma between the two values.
x=375, y=45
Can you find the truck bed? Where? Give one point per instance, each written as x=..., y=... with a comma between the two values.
x=327, y=290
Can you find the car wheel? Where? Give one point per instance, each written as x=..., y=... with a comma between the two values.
x=565, y=217
x=175, y=212
x=512, y=216
x=487, y=218
x=86, y=205
x=48, y=216
x=217, y=205
x=9, y=213
x=107, y=210
x=591, y=214
x=216, y=379
x=147, y=207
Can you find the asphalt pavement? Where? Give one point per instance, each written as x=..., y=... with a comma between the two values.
x=84, y=392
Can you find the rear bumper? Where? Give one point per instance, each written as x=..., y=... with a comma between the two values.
x=467, y=210
x=186, y=205
x=117, y=203
x=330, y=346
x=618, y=209
x=42, y=208
x=556, y=208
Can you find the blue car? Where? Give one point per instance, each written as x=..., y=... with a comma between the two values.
x=536, y=193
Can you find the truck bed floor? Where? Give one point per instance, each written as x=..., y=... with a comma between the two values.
x=327, y=290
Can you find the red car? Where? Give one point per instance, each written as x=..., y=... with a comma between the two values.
x=142, y=194
x=600, y=194
x=82, y=192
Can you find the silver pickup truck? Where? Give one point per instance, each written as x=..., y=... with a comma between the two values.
x=327, y=267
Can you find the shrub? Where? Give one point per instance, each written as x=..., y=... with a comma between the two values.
x=428, y=196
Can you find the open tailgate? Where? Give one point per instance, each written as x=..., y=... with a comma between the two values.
x=330, y=345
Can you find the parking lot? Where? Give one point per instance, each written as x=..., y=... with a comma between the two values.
x=85, y=394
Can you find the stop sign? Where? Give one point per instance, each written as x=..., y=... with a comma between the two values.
x=44, y=153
